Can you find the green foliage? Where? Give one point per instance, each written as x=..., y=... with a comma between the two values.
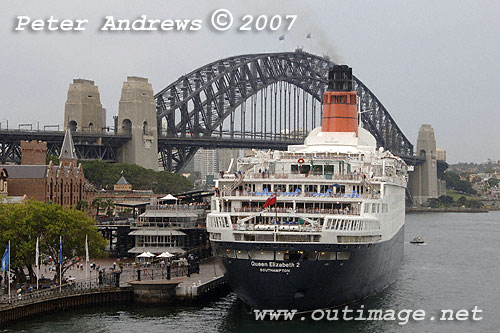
x=462, y=201
x=53, y=158
x=453, y=181
x=105, y=175
x=446, y=200
x=23, y=223
x=82, y=205
x=434, y=203
x=474, y=204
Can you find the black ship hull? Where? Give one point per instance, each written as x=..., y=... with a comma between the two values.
x=312, y=284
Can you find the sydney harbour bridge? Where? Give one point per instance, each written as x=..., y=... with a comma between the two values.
x=261, y=101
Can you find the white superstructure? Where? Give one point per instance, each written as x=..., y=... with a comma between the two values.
x=336, y=188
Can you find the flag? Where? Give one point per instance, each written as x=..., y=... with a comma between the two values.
x=282, y=37
x=5, y=259
x=86, y=250
x=60, y=250
x=37, y=253
x=270, y=201
x=309, y=35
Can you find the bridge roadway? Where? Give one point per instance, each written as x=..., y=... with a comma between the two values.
x=104, y=146
x=89, y=146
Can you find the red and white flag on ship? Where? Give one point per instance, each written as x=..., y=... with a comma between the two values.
x=270, y=201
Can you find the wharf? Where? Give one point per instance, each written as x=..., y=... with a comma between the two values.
x=184, y=289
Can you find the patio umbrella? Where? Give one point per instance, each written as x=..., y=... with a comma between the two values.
x=143, y=255
x=166, y=255
x=150, y=254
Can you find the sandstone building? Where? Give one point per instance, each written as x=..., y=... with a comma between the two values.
x=64, y=184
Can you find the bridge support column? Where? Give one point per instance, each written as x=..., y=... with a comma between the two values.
x=137, y=116
x=424, y=180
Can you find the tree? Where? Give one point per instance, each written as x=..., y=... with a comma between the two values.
x=109, y=206
x=434, y=203
x=462, y=201
x=446, y=200
x=97, y=203
x=105, y=175
x=474, y=204
x=23, y=223
x=82, y=205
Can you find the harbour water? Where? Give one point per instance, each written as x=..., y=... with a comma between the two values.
x=458, y=268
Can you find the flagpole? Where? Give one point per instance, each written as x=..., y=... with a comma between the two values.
x=9, y=271
x=37, y=264
x=86, y=259
x=60, y=263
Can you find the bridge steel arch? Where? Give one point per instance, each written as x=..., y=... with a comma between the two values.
x=192, y=110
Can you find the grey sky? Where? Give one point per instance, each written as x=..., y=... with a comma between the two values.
x=431, y=62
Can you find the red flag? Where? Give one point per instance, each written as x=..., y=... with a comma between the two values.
x=270, y=201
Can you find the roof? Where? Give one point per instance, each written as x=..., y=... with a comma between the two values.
x=154, y=249
x=25, y=171
x=68, y=147
x=168, y=197
x=167, y=213
x=156, y=232
x=132, y=204
x=122, y=181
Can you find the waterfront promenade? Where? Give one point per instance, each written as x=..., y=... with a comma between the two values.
x=109, y=288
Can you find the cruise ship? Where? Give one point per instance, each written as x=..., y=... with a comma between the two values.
x=319, y=225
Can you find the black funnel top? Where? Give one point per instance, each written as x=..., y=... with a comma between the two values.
x=340, y=78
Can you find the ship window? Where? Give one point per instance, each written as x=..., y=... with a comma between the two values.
x=305, y=168
x=374, y=208
x=279, y=187
x=295, y=187
x=229, y=253
x=367, y=207
x=310, y=188
x=384, y=208
x=266, y=187
x=279, y=255
x=242, y=254
x=326, y=256
x=343, y=255
x=317, y=170
x=261, y=255
x=329, y=169
x=294, y=169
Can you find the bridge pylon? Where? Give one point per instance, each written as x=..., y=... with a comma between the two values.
x=424, y=183
x=137, y=117
x=83, y=111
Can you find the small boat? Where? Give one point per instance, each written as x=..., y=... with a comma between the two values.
x=417, y=240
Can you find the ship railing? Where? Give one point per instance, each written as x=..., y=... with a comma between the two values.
x=311, y=175
x=176, y=207
x=306, y=194
x=332, y=211
x=276, y=227
x=322, y=156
